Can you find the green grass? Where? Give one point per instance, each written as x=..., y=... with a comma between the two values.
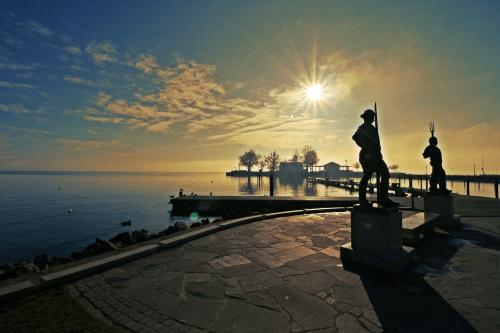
x=50, y=311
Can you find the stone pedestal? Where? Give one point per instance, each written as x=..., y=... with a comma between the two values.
x=376, y=239
x=441, y=204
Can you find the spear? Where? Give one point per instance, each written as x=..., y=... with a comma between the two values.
x=377, y=174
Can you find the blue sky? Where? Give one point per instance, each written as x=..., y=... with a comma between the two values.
x=189, y=85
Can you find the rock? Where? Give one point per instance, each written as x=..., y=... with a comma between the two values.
x=140, y=235
x=205, y=221
x=43, y=261
x=77, y=255
x=25, y=267
x=168, y=231
x=181, y=226
x=195, y=225
x=106, y=245
x=122, y=238
x=60, y=260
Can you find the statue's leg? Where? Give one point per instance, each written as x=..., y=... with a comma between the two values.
x=383, y=171
x=363, y=183
x=434, y=179
x=442, y=179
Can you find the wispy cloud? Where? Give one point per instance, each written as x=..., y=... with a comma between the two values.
x=13, y=66
x=103, y=52
x=74, y=50
x=13, y=108
x=13, y=85
x=85, y=82
x=86, y=145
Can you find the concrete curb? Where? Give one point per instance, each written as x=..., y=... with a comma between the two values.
x=9, y=293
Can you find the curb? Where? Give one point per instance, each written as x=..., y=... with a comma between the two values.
x=12, y=292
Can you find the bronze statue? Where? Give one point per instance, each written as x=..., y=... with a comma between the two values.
x=438, y=175
x=370, y=158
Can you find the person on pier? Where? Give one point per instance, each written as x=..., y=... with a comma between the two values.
x=370, y=158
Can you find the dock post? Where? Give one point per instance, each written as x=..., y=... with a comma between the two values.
x=271, y=184
x=410, y=182
x=496, y=188
x=426, y=183
x=468, y=185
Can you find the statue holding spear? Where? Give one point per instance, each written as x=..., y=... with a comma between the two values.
x=371, y=160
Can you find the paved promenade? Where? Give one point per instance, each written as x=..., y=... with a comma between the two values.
x=285, y=275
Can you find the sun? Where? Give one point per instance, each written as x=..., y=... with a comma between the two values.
x=314, y=93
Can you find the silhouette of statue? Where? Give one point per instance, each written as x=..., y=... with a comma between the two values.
x=438, y=175
x=370, y=158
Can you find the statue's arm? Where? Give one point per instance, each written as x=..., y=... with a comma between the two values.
x=426, y=153
x=357, y=137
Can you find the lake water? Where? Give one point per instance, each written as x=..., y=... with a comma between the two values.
x=34, y=206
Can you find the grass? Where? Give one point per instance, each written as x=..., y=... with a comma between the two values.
x=50, y=311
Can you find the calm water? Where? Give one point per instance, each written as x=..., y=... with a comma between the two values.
x=35, y=219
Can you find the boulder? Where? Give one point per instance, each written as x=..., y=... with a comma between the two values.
x=104, y=245
x=205, y=221
x=140, y=235
x=122, y=238
x=181, y=226
x=195, y=225
x=168, y=231
x=43, y=261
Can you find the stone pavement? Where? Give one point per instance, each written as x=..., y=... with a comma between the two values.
x=285, y=275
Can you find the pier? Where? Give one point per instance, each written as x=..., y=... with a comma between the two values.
x=351, y=185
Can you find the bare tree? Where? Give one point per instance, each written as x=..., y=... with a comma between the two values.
x=262, y=164
x=272, y=161
x=249, y=159
x=394, y=167
x=310, y=156
x=295, y=157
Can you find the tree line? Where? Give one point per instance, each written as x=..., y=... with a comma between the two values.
x=250, y=158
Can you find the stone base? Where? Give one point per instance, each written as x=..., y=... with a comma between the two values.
x=442, y=204
x=393, y=262
x=376, y=239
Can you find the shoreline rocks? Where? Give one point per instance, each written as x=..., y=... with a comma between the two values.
x=45, y=261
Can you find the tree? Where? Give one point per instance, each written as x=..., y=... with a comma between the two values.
x=356, y=166
x=310, y=156
x=272, y=161
x=262, y=164
x=394, y=167
x=295, y=157
x=249, y=159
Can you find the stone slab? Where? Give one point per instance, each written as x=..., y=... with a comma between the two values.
x=376, y=229
x=244, y=220
x=416, y=225
x=13, y=291
x=442, y=204
x=187, y=236
x=96, y=266
x=393, y=262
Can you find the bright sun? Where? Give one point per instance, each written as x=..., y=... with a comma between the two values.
x=314, y=92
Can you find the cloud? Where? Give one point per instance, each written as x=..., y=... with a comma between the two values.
x=104, y=52
x=84, y=82
x=39, y=28
x=15, y=66
x=13, y=108
x=86, y=145
x=13, y=85
x=74, y=50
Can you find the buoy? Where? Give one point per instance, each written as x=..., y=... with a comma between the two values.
x=125, y=223
x=70, y=210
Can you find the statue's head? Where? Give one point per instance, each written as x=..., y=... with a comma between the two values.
x=368, y=115
x=433, y=140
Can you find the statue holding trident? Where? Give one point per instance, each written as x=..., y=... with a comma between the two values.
x=370, y=158
x=438, y=176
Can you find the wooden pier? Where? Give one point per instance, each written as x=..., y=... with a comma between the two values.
x=351, y=185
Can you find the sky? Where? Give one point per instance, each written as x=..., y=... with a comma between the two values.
x=190, y=85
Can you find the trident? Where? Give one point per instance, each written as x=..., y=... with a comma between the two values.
x=431, y=128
